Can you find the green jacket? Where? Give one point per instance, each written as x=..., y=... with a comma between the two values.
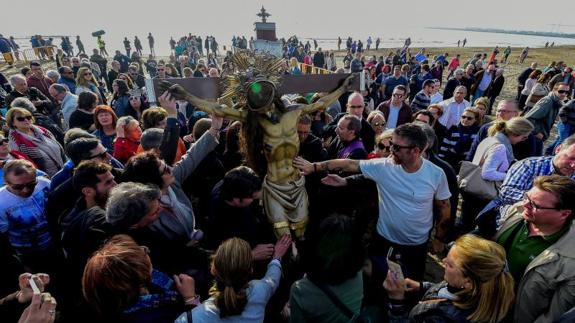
x=547, y=289
x=544, y=113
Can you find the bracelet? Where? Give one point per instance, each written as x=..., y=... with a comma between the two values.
x=194, y=300
x=314, y=167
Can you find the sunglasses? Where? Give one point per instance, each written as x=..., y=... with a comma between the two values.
x=101, y=155
x=134, y=98
x=89, y=74
x=20, y=187
x=379, y=124
x=356, y=106
x=397, y=95
x=381, y=146
x=4, y=141
x=22, y=119
x=563, y=91
x=396, y=147
x=467, y=118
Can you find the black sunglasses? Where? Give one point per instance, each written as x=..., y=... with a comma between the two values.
x=467, y=118
x=100, y=155
x=396, y=147
x=5, y=141
x=563, y=91
x=20, y=187
x=381, y=146
x=21, y=119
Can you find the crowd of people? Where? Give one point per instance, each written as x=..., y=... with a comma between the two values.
x=130, y=211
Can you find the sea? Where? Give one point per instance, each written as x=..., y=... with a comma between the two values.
x=420, y=37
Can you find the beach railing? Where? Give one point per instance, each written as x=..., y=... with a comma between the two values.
x=29, y=54
x=310, y=69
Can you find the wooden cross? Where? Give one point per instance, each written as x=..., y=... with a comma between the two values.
x=208, y=87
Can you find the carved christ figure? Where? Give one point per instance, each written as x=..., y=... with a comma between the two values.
x=269, y=127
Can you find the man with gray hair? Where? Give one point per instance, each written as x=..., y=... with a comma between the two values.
x=132, y=206
x=453, y=107
x=68, y=101
x=21, y=89
x=452, y=84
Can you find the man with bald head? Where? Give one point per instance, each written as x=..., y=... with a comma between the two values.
x=355, y=106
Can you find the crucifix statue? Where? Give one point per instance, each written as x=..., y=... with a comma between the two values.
x=263, y=14
x=253, y=95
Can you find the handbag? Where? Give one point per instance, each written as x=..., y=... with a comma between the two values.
x=471, y=182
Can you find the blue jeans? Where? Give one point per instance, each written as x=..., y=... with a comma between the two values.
x=564, y=130
x=478, y=93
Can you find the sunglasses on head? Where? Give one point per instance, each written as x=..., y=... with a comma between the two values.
x=22, y=119
x=20, y=187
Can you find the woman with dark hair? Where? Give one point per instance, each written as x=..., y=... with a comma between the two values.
x=121, y=97
x=177, y=214
x=529, y=83
x=477, y=287
x=83, y=117
x=121, y=285
x=105, y=122
x=459, y=138
x=232, y=156
x=126, y=78
x=333, y=256
x=234, y=297
x=137, y=104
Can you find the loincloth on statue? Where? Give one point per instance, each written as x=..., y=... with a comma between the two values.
x=286, y=205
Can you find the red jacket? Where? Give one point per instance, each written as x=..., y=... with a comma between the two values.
x=124, y=149
x=41, y=84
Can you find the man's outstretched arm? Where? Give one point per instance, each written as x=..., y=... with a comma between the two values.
x=335, y=165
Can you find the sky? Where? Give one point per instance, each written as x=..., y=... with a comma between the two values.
x=306, y=18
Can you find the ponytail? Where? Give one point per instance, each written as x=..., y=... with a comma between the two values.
x=498, y=126
x=230, y=302
x=494, y=300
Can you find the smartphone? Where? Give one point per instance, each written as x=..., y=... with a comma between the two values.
x=394, y=267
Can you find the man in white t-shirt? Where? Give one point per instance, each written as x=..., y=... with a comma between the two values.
x=409, y=188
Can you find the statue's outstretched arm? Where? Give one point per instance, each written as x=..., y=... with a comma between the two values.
x=327, y=100
x=210, y=107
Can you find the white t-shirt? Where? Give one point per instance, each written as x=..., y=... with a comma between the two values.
x=405, y=199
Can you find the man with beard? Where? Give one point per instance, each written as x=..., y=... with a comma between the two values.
x=409, y=188
x=22, y=214
x=84, y=228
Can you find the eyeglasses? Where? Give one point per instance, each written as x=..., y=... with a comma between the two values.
x=396, y=147
x=563, y=91
x=397, y=95
x=467, y=118
x=22, y=119
x=381, y=146
x=21, y=187
x=534, y=206
x=356, y=106
x=89, y=74
x=101, y=155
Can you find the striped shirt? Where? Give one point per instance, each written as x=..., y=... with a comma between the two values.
x=521, y=176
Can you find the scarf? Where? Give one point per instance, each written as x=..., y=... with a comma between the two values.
x=41, y=147
x=504, y=140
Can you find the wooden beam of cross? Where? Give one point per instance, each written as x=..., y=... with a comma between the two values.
x=208, y=88
x=263, y=14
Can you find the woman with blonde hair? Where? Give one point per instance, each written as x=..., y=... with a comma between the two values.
x=234, y=297
x=382, y=147
x=494, y=155
x=482, y=105
x=294, y=67
x=377, y=121
x=86, y=82
x=477, y=287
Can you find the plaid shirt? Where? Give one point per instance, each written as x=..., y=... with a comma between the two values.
x=521, y=176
